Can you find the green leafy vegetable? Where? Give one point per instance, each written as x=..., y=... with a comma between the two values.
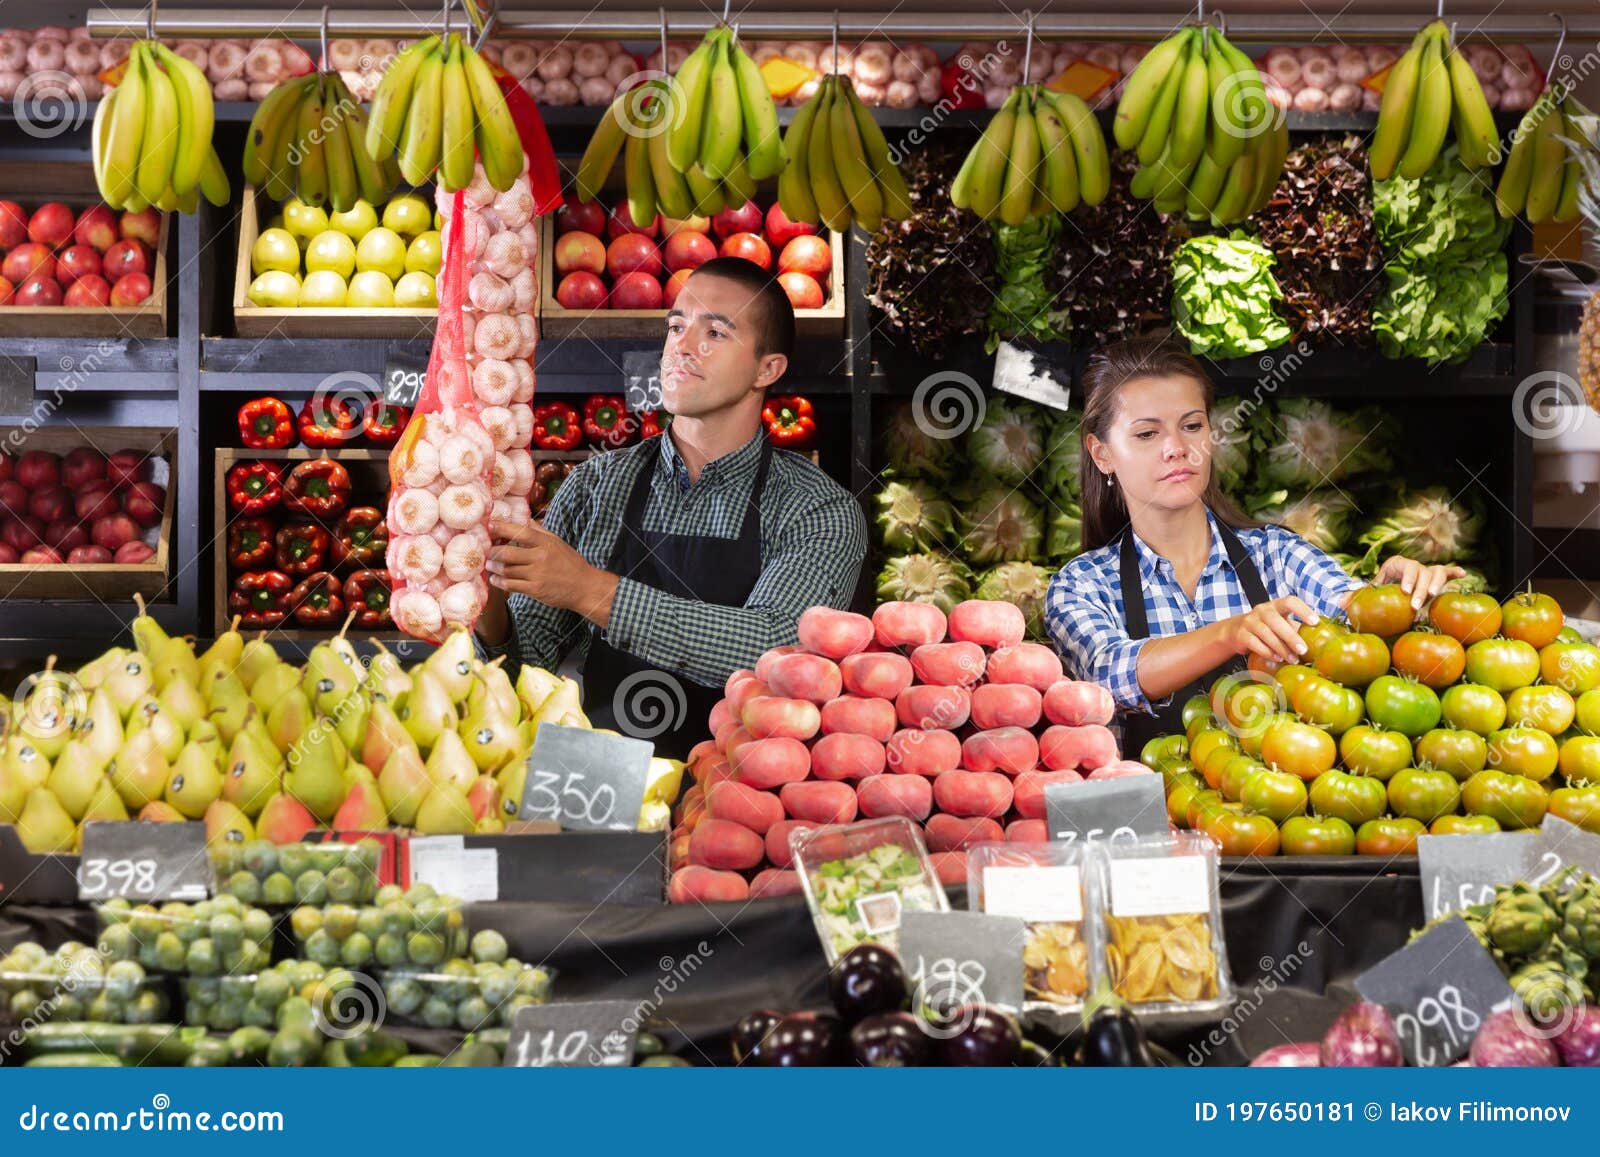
x=1009, y=442
x=1223, y=296
x=1428, y=525
x=1232, y=441
x=912, y=516
x=1059, y=477
x=1322, y=517
x=1023, y=584
x=1001, y=525
x=1304, y=443
x=1063, y=535
x=913, y=451
x=924, y=578
x=1024, y=305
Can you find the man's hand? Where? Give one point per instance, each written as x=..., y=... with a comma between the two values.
x=1420, y=582
x=531, y=561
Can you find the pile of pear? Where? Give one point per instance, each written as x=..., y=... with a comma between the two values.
x=257, y=747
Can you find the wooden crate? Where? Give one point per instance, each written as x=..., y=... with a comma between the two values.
x=73, y=185
x=345, y=322
x=106, y=582
x=556, y=321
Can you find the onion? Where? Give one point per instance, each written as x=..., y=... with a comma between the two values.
x=518, y=58
x=1345, y=98
x=1508, y=1040
x=1311, y=99
x=556, y=64
x=1578, y=1043
x=560, y=93
x=1304, y=1055
x=1362, y=1037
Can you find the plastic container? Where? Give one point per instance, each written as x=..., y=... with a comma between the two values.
x=226, y=1003
x=859, y=878
x=76, y=983
x=276, y=876
x=1045, y=886
x=1161, y=922
x=406, y=930
x=217, y=937
x=461, y=994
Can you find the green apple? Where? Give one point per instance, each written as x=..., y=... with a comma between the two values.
x=407, y=214
x=424, y=253
x=333, y=250
x=275, y=289
x=416, y=291
x=357, y=222
x=323, y=289
x=276, y=249
x=382, y=251
x=370, y=289
x=304, y=221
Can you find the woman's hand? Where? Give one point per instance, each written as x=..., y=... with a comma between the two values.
x=1417, y=580
x=1268, y=630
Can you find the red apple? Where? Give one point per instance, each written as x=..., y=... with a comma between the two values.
x=7, y=465
x=781, y=230
x=76, y=261
x=38, y=468
x=29, y=260
x=13, y=225
x=113, y=530
x=142, y=226
x=96, y=502
x=51, y=224
x=90, y=290
x=802, y=288
x=7, y=290
x=134, y=552
x=8, y=553
x=674, y=225
x=621, y=221
x=125, y=467
x=130, y=289
x=746, y=218
x=90, y=553
x=633, y=253
x=580, y=216
x=580, y=251
x=144, y=501
x=749, y=246
x=64, y=534
x=687, y=250
x=39, y=290
x=669, y=291
x=13, y=497
x=636, y=291
x=50, y=503
x=125, y=257
x=809, y=255
x=581, y=291
x=40, y=556
x=81, y=467
x=96, y=227
x=23, y=532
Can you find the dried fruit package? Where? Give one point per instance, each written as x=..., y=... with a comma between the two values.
x=464, y=459
x=1045, y=886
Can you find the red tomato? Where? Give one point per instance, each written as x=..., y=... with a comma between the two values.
x=1319, y=633
x=1468, y=619
x=1389, y=837
x=1243, y=835
x=1435, y=660
x=1534, y=618
x=1384, y=611
x=1353, y=660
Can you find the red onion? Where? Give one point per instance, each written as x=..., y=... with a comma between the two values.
x=1508, y=1040
x=1362, y=1037
x=1579, y=1042
x=1302, y=1055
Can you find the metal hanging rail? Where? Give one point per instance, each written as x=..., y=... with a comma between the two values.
x=606, y=23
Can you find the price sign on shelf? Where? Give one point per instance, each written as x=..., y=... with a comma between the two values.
x=585, y=781
x=16, y=386
x=955, y=958
x=573, y=1035
x=1113, y=809
x=641, y=380
x=403, y=379
x=144, y=862
x=1439, y=988
x=1460, y=871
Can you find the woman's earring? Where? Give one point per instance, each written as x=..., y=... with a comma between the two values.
x=1111, y=480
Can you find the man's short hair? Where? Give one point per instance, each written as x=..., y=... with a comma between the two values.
x=773, y=316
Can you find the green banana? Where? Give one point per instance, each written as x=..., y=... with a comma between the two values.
x=213, y=180
x=372, y=178
x=458, y=146
x=763, y=140
x=281, y=104
x=312, y=167
x=602, y=151
x=719, y=140
x=1571, y=185
x=738, y=187
x=708, y=195
x=1022, y=163
x=892, y=186
x=832, y=204
x=990, y=169
x=1544, y=186
x=196, y=117
x=1143, y=87
x=343, y=190
x=641, y=186
x=1088, y=145
x=424, y=135
x=672, y=191
x=282, y=157
x=1474, y=120
x=849, y=160
x=794, y=182
x=1190, y=115
x=499, y=143
x=1511, y=194
x=1205, y=183
x=1222, y=144
x=1430, y=121
x=690, y=87
x=1056, y=163
x=390, y=103
x=1390, y=138
x=1154, y=141
x=160, y=146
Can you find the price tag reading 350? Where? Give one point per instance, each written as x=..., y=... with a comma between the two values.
x=144, y=861
x=585, y=781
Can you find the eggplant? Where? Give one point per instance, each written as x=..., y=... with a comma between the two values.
x=803, y=1040
x=1033, y=1055
x=1579, y=1041
x=1304, y=1055
x=748, y=1035
x=1114, y=1038
x=1362, y=1037
x=867, y=980
x=890, y=1040
x=980, y=1036
x=1507, y=1040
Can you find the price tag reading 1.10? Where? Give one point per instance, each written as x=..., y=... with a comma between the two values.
x=144, y=862
x=585, y=781
x=575, y=1034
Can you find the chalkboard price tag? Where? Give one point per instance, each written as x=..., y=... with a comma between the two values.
x=641, y=380
x=1115, y=809
x=1460, y=871
x=573, y=1035
x=1439, y=988
x=585, y=781
x=144, y=862
x=955, y=958
x=16, y=386
x=403, y=379
x=1570, y=844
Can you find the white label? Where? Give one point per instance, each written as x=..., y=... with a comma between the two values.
x=1160, y=887
x=1045, y=892
x=879, y=912
x=469, y=874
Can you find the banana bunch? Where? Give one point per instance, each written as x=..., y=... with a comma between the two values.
x=839, y=167
x=151, y=142
x=1209, y=142
x=308, y=139
x=1543, y=180
x=1042, y=152
x=437, y=104
x=1430, y=86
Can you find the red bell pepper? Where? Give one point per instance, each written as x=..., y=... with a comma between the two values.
x=957, y=84
x=302, y=547
x=789, y=421
x=255, y=487
x=367, y=593
x=383, y=423
x=328, y=422
x=266, y=424
x=556, y=426
x=361, y=538
x=606, y=422
x=319, y=489
x=260, y=598
x=649, y=423
x=250, y=543
x=318, y=601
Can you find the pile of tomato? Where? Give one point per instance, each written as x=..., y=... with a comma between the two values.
x=1482, y=718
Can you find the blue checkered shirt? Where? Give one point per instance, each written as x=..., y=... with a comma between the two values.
x=1084, y=608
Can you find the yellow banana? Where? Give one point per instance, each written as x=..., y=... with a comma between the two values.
x=763, y=140
x=794, y=182
x=1190, y=115
x=279, y=105
x=672, y=191
x=989, y=169
x=1205, y=183
x=891, y=185
x=499, y=143
x=1474, y=121
x=160, y=147
x=601, y=153
x=99, y=130
x=343, y=189
x=1511, y=194
x=1571, y=186
x=708, y=196
x=1237, y=188
x=311, y=165
x=1549, y=154
x=849, y=160
x=690, y=86
x=832, y=204
x=1224, y=142
x=196, y=117
x=1143, y=86
x=424, y=135
x=1270, y=156
x=1430, y=122
x=1393, y=133
x=1022, y=163
x=640, y=185
x=386, y=125
x=372, y=177
x=458, y=147
x=738, y=186
x=213, y=180
x=190, y=201
x=1154, y=141
x=1088, y=145
x=719, y=140
x=1056, y=164
x=283, y=156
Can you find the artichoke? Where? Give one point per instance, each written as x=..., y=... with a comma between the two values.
x=1009, y=442
x=913, y=450
x=1580, y=928
x=1522, y=921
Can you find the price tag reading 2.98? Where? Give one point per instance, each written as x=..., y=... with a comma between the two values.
x=1451, y=1020
x=105, y=879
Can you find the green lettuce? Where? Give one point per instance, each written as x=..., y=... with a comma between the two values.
x=1063, y=534
x=1305, y=443
x=1429, y=525
x=1224, y=296
x=1060, y=477
x=1024, y=305
x=1232, y=438
x=912, y=451
x=1323, y=517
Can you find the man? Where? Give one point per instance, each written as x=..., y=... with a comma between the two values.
x=679, y=560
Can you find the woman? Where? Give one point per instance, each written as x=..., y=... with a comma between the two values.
x=1175, y=585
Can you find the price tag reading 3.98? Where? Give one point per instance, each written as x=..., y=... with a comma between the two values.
x=104, y=878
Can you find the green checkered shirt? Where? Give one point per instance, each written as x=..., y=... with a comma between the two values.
x=813, y=541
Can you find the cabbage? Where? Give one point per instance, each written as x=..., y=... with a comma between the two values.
x=1323, y=517
x=1001, y=525
x=1063, y=535
x=1062, y=455
x=914, y=452
x=1023, y=584
x=1224, y=296
x=1232, y=435
x=1008, y=443
x=1306, y=443
x=925, y=578
x=1427, y=525
x=913, y=516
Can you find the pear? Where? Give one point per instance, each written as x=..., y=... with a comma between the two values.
x=490, y=826
x=445, y=812
x=404, y=784
x=316, y=775
x=535, y=685
x=427, y=712
x=44, y=825
x=22, y=768
x=484, y=796
x=226, y=824
x=93, y=673
x=329, y=676
x=174, y=662
x=385, y=735
x=290, y=720
x=223, y=656
x=148, y=634
x=511, y=779
x=194, y=783
x=449, y=762
x=494, y=685
x=105, y=805
x=284, y=820
x=101, y=729
x=229, y=703
x=139, y=770
x=128, y=682
x=565, y=707
x=252, y=771
x=451, y=664
x=257, y=658
x=350, y=720
x=160, y=812
x=274, y=684
x=385, y=679
x=51, y=710
x=147, y=715
x=363, y=809
x=182, y=703
x=206, y=734
x=490, y=737
x=73, y=778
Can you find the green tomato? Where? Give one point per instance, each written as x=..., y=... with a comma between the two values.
x=1372, y=751
x=1236, y=774
x=1456, y=825
x=1316, y=836
x=1474, y=707
x=1195, y=707
x=1512, y=801
x=1588, y=711
x=1163, y=748
x=1325, y=703
x=1352, y=798
x=1461, y=753
x=1402, y=705
x=1578, y=805
x=1580, y=759
x=1550, y=709
x=1573, y=666
x=1503, y=664
x=1181, y=790
x=1275, y=794
x=1423, y=795
x=1523, y=751
x=1389, y=837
